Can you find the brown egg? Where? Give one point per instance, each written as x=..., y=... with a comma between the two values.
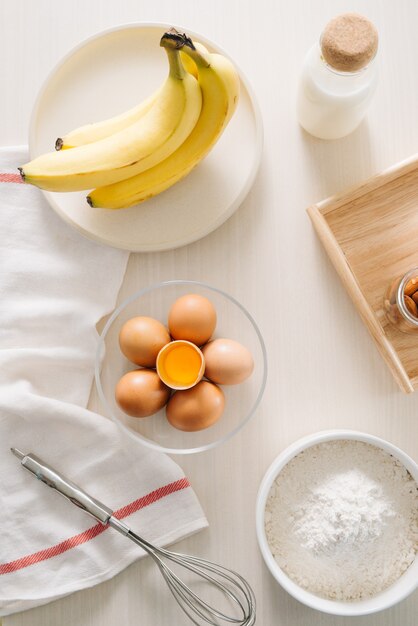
x=141, y=339
x=193, y=318
x=196, y=408
x=227, y=362
x=141, y=393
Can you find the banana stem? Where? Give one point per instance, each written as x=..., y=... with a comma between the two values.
x=174, y=40
x=200, y=58
x=176, y=66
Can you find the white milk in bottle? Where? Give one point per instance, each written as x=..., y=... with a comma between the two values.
x=338, y=77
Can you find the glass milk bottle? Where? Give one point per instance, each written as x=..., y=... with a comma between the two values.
x=338, y=78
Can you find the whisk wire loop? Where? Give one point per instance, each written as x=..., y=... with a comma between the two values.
x=204, y=565
x=232, y=585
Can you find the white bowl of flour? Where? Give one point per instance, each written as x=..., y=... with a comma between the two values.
x=337, y=522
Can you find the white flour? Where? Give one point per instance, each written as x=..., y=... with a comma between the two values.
x=342, y=519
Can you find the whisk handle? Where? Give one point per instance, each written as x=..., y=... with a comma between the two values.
x=65, y=487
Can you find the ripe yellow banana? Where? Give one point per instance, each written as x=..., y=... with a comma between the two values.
x=189, y=65
x=220, y=89
x=132, y=150
x=100, y=130
x=89, y=133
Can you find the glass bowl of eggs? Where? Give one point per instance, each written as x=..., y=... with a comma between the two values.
x=181, y=366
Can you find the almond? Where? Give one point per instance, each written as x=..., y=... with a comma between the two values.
x=411, y=286
x=411, y=306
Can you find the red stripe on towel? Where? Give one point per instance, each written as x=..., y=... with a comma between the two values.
x=9, y=177
x=93, y=531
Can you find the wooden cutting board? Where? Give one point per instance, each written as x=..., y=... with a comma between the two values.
x=371, y=236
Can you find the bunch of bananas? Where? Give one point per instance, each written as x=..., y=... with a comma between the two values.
x=137, y=155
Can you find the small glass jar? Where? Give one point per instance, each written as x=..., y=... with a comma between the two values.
x=399, y=304
x=338, y=78
x=331, y=104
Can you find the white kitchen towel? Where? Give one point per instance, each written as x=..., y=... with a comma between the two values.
x=54, y=287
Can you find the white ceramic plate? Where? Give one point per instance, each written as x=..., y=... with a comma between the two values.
x=109, y=73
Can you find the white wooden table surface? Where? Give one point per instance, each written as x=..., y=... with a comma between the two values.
x=324, y=370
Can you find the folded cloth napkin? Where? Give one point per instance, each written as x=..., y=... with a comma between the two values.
x=54, y=287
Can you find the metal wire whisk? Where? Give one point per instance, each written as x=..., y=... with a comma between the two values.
x=232, y=585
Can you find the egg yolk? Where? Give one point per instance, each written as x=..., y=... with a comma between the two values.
x=182, y=364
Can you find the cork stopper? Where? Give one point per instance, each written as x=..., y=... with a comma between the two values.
x=349, y=42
